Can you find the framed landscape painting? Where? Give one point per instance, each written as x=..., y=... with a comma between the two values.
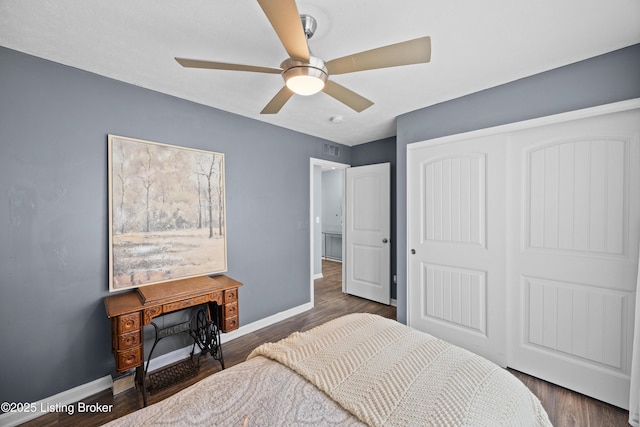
x=166, y=213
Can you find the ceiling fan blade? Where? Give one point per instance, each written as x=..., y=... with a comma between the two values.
x=278, y=101
x=414, y=51
x=346, y=96
x=196, y=63
x=285, y=20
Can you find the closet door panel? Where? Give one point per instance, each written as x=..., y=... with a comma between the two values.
x=574, y=246
x=457, y=241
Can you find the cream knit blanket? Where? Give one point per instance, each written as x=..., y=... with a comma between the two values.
x=386, y=373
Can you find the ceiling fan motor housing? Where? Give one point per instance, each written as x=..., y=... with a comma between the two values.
x=309, y=25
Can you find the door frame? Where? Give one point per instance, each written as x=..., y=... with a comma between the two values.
x=325, y=164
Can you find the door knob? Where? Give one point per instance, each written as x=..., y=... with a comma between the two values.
x=413, y=251
x=385, y=240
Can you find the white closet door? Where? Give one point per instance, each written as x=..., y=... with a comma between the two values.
x=574, y=208
x=456, y=228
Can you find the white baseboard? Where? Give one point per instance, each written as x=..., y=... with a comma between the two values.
x=267, y=321
x=394, y=302
x=61, y=401
x=317, y=276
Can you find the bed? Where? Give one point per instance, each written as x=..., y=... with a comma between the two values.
x=359, y=369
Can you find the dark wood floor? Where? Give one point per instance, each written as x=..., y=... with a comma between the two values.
x=565, y=408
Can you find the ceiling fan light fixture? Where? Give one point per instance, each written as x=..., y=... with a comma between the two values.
x=305, y=81
x=305, y=78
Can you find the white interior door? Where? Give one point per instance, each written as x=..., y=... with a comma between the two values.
x=367, y=254
x=456, y=239
x=575, y=191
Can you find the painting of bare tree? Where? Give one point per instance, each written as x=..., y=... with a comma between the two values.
x=166, y=213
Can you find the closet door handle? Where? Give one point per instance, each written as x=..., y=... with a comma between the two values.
x=385, y=240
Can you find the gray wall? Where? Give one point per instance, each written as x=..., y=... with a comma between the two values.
x=54, y=122
x=382, y=151
x=600, y=80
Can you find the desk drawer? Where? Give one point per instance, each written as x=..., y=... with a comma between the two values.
x=230, y=295
x=126, y=341
x=230, y=310
x=128, y=323
x=128, y=359
x=179, y=305
x=230, y=324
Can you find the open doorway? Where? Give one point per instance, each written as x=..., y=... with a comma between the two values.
x=326, y=223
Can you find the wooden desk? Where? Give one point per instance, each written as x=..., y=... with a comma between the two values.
x=131, y=311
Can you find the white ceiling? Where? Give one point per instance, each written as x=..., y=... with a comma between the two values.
x=475, y=45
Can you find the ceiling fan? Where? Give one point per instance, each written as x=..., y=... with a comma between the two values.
x=305, y=74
